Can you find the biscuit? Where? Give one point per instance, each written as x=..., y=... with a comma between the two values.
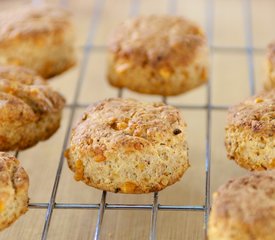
x=244, y=209
x=165, y=55
x=14, y=184
x=270, y=79
x=40, y=38
x=30, y=111
x=250, y=132
x=126, y=146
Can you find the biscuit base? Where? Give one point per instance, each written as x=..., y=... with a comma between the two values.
x=165, y=81
x=133, y=187
x=29, y=134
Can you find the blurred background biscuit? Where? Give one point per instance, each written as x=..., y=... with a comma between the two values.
x=14, y=184
x=37, y=37
x=158, y=54
x=30, y=111
x=244, y=209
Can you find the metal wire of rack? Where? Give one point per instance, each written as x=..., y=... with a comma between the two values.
x=155, y=206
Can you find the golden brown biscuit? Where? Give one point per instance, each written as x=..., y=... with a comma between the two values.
x=270, y=80
x=164, y=55
x=14, y=184
x=250, y=132
x=244, y=209
x=30, y=111
x=40, y=38
x=122, y=145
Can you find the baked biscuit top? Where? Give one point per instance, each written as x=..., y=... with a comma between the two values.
x=157, y=40
x=21, y=75
x=25, y=96
x=249, y=199
x=127, y=125
x=256, y=113
x=33, y=20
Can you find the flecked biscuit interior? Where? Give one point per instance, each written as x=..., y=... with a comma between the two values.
x=244, y=209
x=30, y=111
x=165, y=55
x=250, y=132
x=123, y=145
x=37, y=37
x=14, y=184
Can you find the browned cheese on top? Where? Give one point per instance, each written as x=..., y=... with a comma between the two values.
x=157, y=40
x=257, y=113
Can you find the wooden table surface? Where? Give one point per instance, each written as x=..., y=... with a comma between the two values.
x=239, y=32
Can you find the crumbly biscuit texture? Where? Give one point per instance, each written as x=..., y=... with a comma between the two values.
x=122, y=145
x=164, y=55
x=270, y=78
x=37, y=37
x=244, y=209
x=30, y=111
x=14, y=184
x=250, y=132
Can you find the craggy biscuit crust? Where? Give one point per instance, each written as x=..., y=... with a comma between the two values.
x=30, y=111
x=37, y=37
x=244, y=209
x=122, y=145
x=164, y=55
x=14, y=184
x=250, y=132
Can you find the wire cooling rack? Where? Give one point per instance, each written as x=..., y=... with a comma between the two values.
x=154, y=207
